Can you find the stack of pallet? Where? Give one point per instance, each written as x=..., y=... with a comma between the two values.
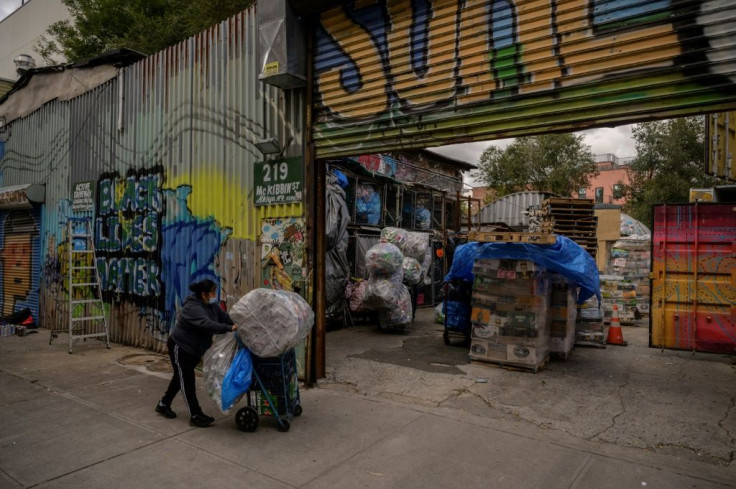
x=511, y=313
x=574, y=218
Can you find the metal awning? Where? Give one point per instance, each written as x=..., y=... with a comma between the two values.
x=21, y=196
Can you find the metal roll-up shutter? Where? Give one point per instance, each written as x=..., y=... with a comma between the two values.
x=416, y=73
x=20, y=260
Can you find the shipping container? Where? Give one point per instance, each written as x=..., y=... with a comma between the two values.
x=694, y=278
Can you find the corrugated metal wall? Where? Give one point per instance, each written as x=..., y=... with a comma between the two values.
x=511, y=209
x=721, y=145
x=410, y=73
x=169, y=147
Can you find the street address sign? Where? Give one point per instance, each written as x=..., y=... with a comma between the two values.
x=278, y=181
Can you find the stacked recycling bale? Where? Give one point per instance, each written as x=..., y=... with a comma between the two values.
x=631, y=261
x=589, y=328
x=511, y=313
x=391, y=264
x=619, y=291
x=564, y=314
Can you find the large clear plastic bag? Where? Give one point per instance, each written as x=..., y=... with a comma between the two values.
x=395, y=236
x=271, y=322
x=416, y=245
x=383, y=259
x=218, y=364
x=381, y=291
x=412, y=271
x=401, y=313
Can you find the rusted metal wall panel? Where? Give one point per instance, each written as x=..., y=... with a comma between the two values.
x=408, y=73
x=694, y=278
x=721, y=145
x=169, y=148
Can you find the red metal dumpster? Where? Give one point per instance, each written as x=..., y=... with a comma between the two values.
x=694, y=278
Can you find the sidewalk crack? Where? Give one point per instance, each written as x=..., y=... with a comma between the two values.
x=732, y=453
x=616, y=416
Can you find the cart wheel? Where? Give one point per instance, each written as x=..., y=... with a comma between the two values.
x=284, y=426
x=247, y=419
x=298, y=410
x=446, y=338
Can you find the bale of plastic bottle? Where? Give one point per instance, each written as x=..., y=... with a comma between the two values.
x=383, y=259
x=416, y=245
x=401, y=312
x=381, y=290
x=271, y=322
x=412, y=271
x=395, y=236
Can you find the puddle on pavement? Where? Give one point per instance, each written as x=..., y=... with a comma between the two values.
x=149, y=361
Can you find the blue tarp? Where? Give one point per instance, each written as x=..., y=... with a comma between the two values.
x=565, y=257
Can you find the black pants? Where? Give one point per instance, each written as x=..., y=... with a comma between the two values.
x=183, y=379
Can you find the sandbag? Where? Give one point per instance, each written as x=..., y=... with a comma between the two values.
x=271, y=322
x=383, y=259
x=412, y=271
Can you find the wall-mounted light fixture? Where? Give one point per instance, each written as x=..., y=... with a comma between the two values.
x=269, y=146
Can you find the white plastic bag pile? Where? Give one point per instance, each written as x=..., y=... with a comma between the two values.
x=271, y=322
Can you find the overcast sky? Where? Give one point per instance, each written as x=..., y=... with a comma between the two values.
x=7, y=7
x=615, y=140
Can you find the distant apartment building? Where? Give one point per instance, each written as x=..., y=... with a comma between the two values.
x=606, y=188
x=22, y=30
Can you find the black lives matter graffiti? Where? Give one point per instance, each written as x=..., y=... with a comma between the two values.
x=128, y=220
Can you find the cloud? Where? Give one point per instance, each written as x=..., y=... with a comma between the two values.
x=615, y=140
x=7, y=7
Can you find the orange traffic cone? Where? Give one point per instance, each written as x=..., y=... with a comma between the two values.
x=615, y=336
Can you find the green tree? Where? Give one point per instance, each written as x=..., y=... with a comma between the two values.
x=669, y=162
x=557, y=163
x=146, y=26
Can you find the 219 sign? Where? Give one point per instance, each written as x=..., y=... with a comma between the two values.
x=278, y=181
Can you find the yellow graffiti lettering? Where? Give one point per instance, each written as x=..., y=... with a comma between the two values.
x=370, y=97
x=477, y=80
x=434, y=81
x=589, y=56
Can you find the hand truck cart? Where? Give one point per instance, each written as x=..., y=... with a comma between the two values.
x=274, y=391
x=457, y=319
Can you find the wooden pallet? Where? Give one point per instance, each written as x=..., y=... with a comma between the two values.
x=529, y=238
x=514, y=367
x=566, y=201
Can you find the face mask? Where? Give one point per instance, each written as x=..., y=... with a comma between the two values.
x=213, y=300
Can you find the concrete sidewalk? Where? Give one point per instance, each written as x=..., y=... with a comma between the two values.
x=86, y=420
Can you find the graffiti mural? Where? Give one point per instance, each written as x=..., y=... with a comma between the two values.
x=192, y=245
x=282, y=254
x=20, y=248
x=407, y=71
x=128, y=235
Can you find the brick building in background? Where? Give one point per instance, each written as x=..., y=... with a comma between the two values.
x=606, y=187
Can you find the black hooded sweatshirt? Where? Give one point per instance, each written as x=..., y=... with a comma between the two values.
x=196, y=324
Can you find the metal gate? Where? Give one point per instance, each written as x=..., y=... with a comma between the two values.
x=20, y=257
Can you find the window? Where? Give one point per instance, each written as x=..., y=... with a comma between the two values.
x=599, y=195
x=617, y=190
x=582, y=192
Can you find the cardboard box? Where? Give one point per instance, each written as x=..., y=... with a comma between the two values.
x=484, y=332
x=526, y=355
x=487, y=350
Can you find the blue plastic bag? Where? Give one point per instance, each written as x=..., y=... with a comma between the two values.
x=237, y=379
x=564, y=257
